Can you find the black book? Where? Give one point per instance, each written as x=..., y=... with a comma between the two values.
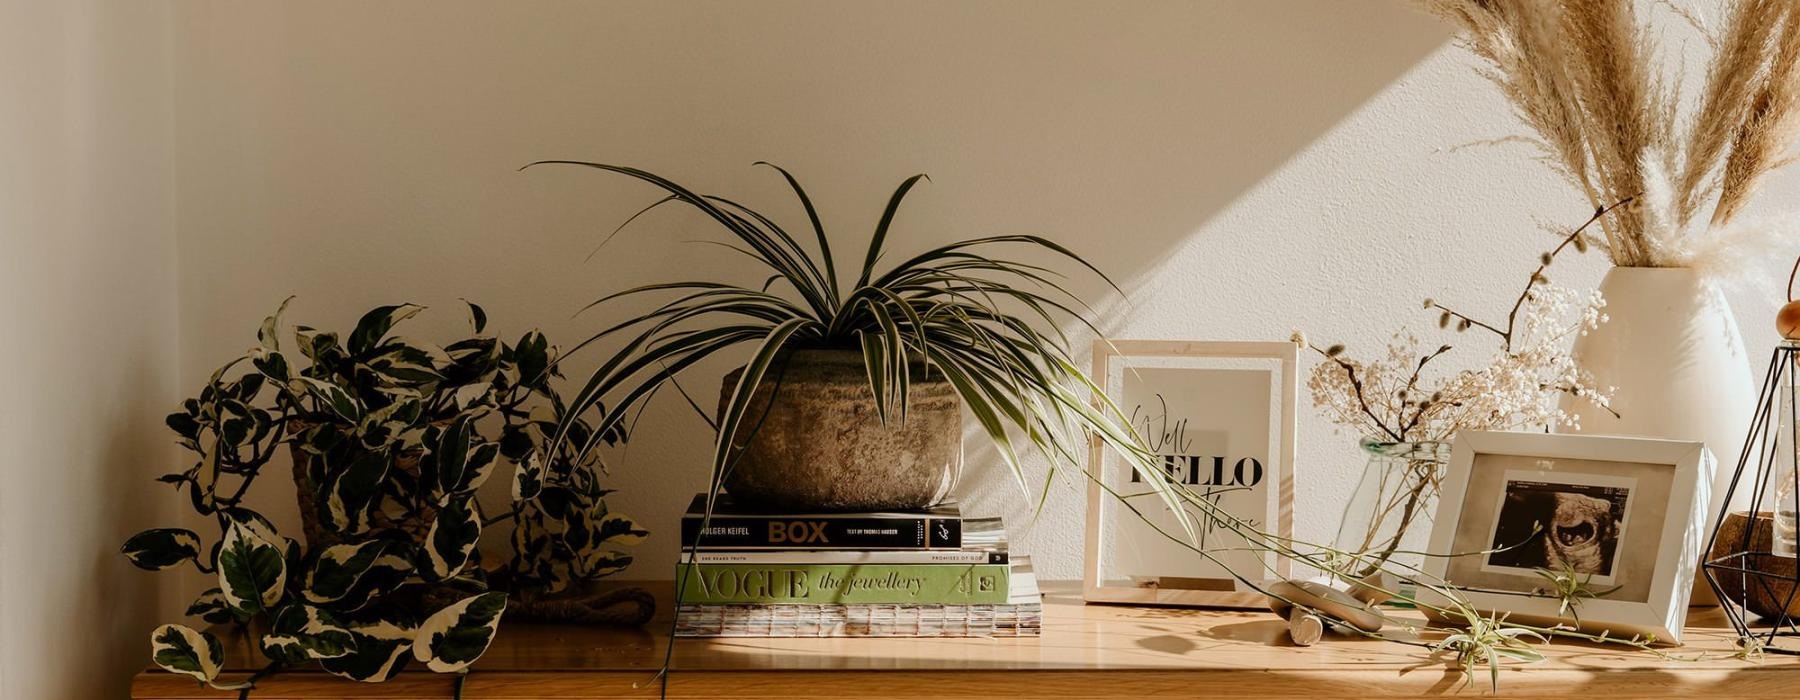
x=734, y=527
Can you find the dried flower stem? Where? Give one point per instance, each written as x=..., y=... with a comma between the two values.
x=1574, y=239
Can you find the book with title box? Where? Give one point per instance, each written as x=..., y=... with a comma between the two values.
x=929, y=573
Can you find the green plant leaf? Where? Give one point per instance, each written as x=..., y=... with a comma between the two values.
x=338, y=572
x=301, y=633
x=333, y=397
x=252, y=570
x=162, y=548
x=316, y=345
x=212, y=608
x=881, y=229
x=452, y=538
x=454, y=637
x=375, y=325
x=617, y=529
x=812, y=215
x=477, y=317
x=187, y=651
x=266, y=335
x=732, y=416
x=528, y=478
x=379, y=652
x=351, y=494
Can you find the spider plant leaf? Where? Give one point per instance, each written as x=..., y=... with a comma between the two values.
x=812, y=215
x=895, y=366
x=669, y=359
x=769, y=250
x=874, y=360
x=731, y=420
x=881, y=229
x=627, y=222
x=796, y=265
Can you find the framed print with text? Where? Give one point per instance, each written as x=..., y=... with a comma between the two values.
x=1221, y=417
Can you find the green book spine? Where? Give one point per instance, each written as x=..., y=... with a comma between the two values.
x=849, y=584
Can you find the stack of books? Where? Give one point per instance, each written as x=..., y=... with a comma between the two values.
x=928, y=573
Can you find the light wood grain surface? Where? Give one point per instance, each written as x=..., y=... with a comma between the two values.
x=1086, y=651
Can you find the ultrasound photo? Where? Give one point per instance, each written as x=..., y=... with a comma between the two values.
x=1545, y=525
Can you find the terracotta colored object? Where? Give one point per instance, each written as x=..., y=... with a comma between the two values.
x=818, y=444
x=1787, y=320
x=1760, y=594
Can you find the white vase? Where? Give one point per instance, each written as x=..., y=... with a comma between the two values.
x=1672, y=353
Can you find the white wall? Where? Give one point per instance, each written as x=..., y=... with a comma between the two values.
x=1243, y=168
x=87, y=301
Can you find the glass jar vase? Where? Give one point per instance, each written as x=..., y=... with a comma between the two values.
x=1388, y=518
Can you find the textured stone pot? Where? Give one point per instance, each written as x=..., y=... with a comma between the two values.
x=811, y=440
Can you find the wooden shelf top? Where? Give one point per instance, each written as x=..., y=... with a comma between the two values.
x=1110, y=651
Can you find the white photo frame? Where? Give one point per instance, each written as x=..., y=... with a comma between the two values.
x=1629, y=512
x=1224, y=411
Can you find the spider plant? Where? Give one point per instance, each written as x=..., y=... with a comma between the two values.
x=988, y=323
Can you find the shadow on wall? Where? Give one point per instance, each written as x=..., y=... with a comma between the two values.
x=130, y=602
x=340, y=139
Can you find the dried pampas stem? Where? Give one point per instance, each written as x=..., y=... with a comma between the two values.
x=1586, y=77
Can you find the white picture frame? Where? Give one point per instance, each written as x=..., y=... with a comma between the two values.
x=1654, y=492
x=1240, y=397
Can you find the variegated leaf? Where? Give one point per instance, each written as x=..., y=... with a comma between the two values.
x=475, y=472
x=314, y=344
x=616, y=529
x=381, y=652
x=301, y=633
x=454, y=637
x=211, y=607
x=252, y=570
x=477, y=316
x=468, y=394
x=533, y=357
x=452, y=538
x=162, y=548
x=187, y=651
x=338, y=570
x=265, y=336
x=351, y=493
x=596, y=563
x=262, y=528
x=333, y=397
x=375, y=325
x=528, y=478
x=404, y=364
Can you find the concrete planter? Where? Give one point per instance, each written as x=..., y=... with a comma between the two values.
x=811, y=440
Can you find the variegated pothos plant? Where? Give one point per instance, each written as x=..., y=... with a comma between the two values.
x=391, y=438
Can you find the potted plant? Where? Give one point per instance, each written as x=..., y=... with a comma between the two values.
x=853, y=392
x=391, y=438
x=1586, y=77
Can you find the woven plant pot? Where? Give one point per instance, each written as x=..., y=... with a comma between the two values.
x=813, y=441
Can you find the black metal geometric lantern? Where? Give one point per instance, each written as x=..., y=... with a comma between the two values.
x=1751, y=559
